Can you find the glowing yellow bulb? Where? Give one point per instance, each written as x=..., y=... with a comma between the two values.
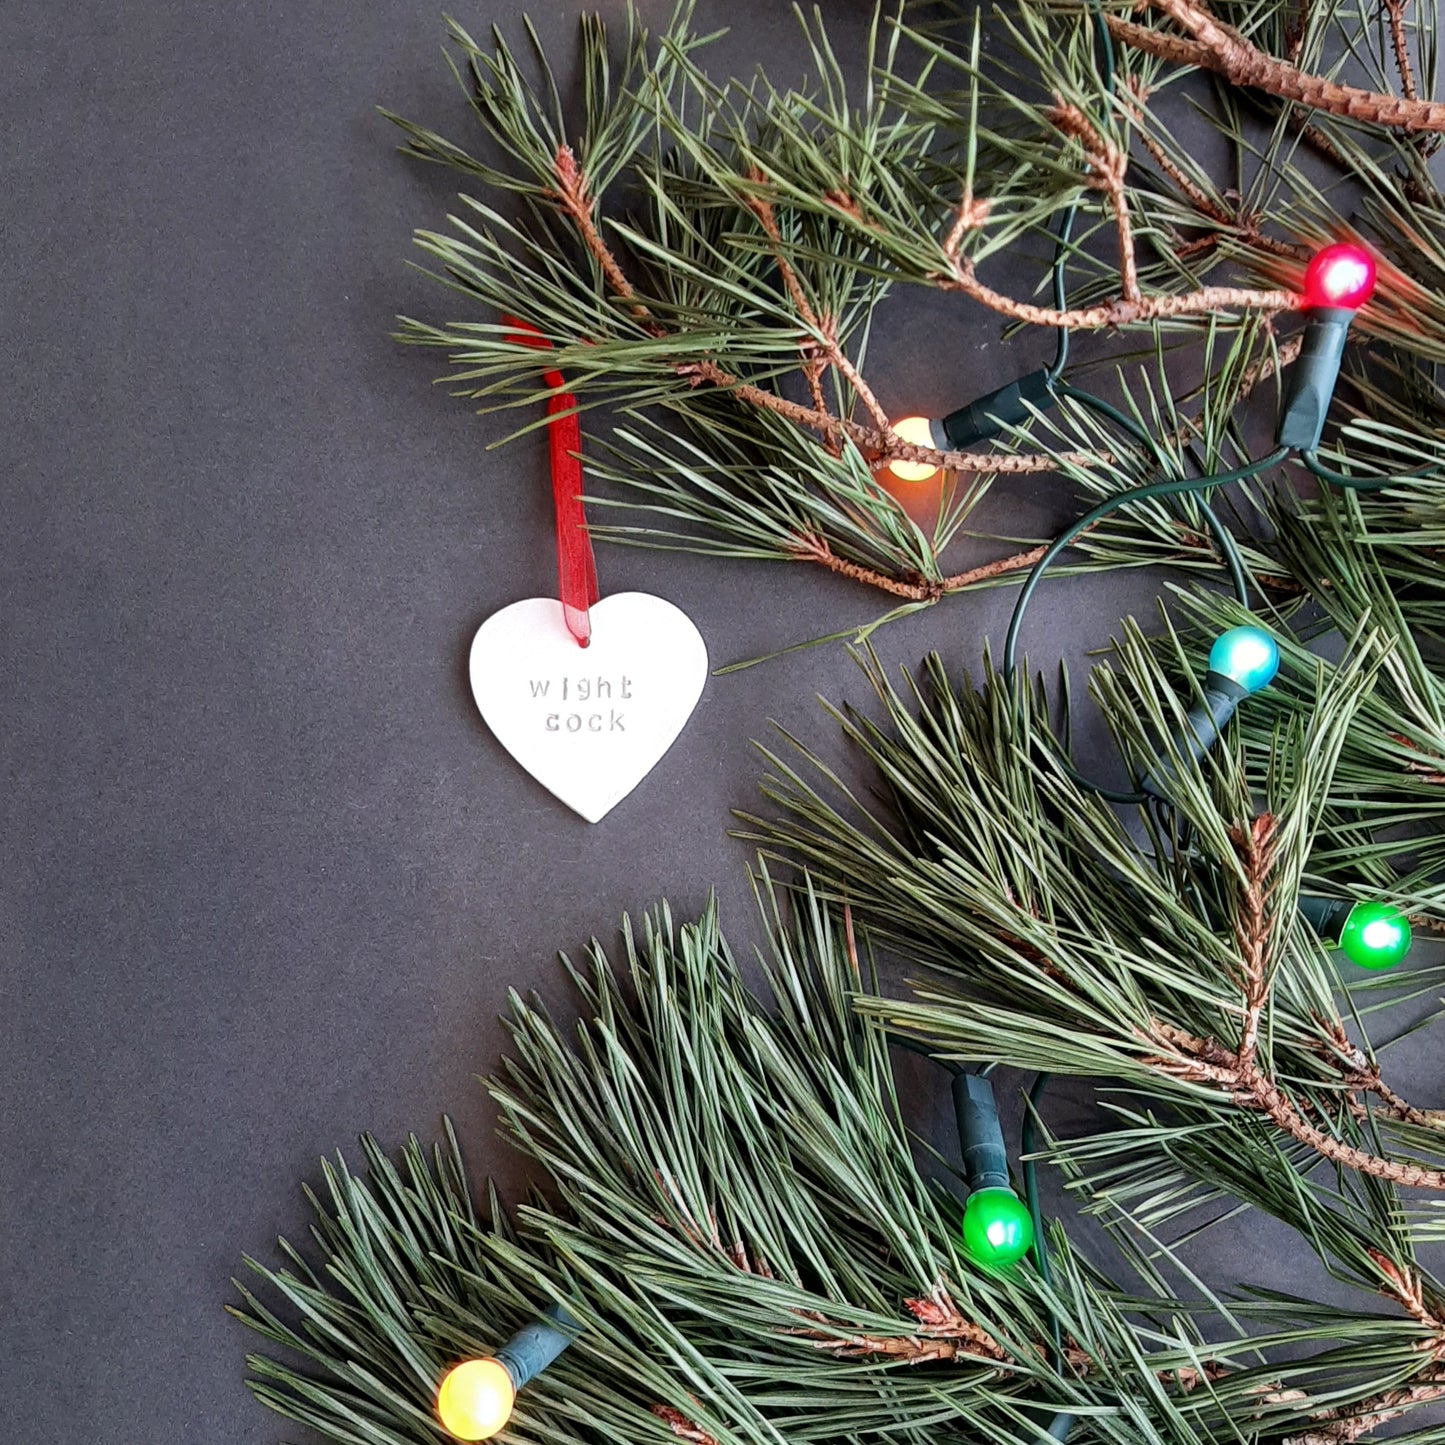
x=919, y=431
x=475, y=1399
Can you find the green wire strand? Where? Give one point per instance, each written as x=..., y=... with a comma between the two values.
x=1178, y=486
x=1312, y=461
x=1104, y=46
x=1234, y=561
x=1174, y=487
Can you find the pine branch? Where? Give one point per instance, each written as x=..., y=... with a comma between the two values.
x=1121, y=312
x=1212, y=46
x=1203, y=1060
x=689, y=1134
x=1395, y=11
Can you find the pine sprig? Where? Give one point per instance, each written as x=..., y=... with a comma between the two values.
x=736, y=1220
x=1182, y=973
x=705, y=256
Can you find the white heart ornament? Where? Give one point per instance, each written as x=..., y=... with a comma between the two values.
x=589, y=723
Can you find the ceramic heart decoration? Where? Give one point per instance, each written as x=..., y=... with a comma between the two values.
x=589, y=723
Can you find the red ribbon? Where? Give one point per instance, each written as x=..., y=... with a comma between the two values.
x=576, y=566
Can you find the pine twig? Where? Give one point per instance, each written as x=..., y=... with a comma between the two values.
x=1253, y=930
x=762, y=208
x=1245, y=228
x=1110, y=165
x=1197, y=1060
x=574, y=196
x=1122, y=311
x=575, y=199
x=1261, y=370
x=1341, y=1426
x=1395, y=11
x=1403, y=1286
x=1362, y=1076
x=972, y=213
x=814, y=548
x=945, y=1335
x=1212, y=46
x=682, y=1427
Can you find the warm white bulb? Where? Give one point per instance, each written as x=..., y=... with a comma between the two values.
x=475, y=1399
x=919, y=431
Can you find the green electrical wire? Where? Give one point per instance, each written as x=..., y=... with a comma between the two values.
x=1028, y=1143
x=1178, y=486
x=1104, y=46
x=1312, y=461
x=1061, y=388
x=1227, y=545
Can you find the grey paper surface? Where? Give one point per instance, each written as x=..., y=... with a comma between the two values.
x=266, y=878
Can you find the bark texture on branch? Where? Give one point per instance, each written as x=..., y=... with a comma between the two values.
x=1212, y=46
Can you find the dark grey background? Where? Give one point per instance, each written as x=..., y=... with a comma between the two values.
x=266, y=878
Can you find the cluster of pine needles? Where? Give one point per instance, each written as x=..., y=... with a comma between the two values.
x=729, y=1199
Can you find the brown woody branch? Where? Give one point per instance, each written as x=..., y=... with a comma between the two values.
x=1122, y=311
x=1245, y=227
x=1206, y=1061
x=1212, y=46
x=870, y=439
x=1296, y=30
x=1341, y=1427
x=1266, y=366
x=1109, y=164
x=814, y=357
x=576, y=200
x=1426, y=771
x=762, y=209
x=944, y=1334
x=1403, y=1286
x=1395, y=11
x=573, y=195
x=970, y=215
x=1131, y=306
x=1253, y=929
x=1195, y=1060
x=813, y=548
x=682, y=1427
x=1363, y=1077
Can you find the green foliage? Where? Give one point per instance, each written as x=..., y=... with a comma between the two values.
x=709, y=270
x=728, y=1197
x=734, y=1215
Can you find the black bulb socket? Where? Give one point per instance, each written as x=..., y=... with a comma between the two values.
x=1222, y=695
x=1309, y=386
x=1010, y=405
x=985, y=1161
x=1325, y=915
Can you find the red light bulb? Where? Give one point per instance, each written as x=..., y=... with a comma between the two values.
x=1342, y=275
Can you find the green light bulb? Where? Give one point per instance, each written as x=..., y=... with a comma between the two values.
x=997, y=1229
x=1248, y=656
x=1375, y=936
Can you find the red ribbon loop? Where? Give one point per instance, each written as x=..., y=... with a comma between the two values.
x=576, y=566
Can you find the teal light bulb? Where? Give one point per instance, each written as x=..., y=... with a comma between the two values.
x=997, y=1228
x=1248, y=656
x=1375, y=936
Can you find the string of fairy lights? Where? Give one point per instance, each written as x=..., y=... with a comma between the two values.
x=999, y=1230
